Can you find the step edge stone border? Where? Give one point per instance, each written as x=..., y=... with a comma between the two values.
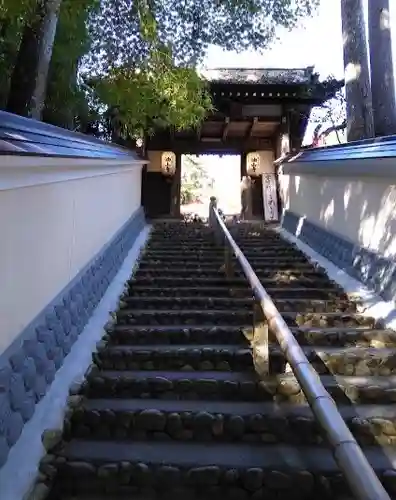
x=29, y=365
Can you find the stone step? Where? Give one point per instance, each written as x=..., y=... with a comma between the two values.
x=290, y=276
x=265, y=272
x=183, y=239
x=225, y=291
x=222, y=357
x=172, y=408
x=177, y=334
x=211, y=241
x=361, y=361
x=213, y=247
x=193, y=259
x=218, y=253
x=345, y=337
x=204, y=237
x=188, y=281
x=237, y=317
x=234, y=386
x=191, y=243
x=226, y=334
x=235, y=471
x=272, y=272
x=303, y=305
x=213, y=264
x=222, y=421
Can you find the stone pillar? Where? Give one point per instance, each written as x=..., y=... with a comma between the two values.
x=381, y=68
x=360, y=124
x=175, y=189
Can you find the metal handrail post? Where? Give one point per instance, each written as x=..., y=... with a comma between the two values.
x=359, y=474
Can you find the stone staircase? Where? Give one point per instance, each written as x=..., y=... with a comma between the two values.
x=172, y=407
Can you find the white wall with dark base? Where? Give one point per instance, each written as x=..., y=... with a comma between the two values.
x=66, y=227
x=19, y=473
x=341, y=202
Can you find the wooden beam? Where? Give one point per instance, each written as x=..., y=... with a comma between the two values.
x=192, y=146
x=219, y=117
x=225, y=128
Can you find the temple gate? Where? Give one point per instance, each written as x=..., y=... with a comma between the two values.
x=260, y=114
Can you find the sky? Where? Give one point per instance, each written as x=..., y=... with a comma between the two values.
x=317, y=42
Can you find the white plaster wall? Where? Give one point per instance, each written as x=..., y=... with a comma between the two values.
x=362, y=210
x=49, y=232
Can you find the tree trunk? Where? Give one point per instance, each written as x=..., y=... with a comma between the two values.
x=360, y=123
x=382, y=80
x=29, y=78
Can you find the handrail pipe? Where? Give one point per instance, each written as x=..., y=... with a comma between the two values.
x=362, y=480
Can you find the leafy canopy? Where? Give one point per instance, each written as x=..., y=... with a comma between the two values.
x=139, y=56
x=155, y=94
x=187, y=27
x=144, y=52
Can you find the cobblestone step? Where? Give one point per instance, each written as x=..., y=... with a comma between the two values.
x=176, y=334
x=234, y=386
x=196, y=255
x=188, y=281
x=218, y=271
x=283, y=275
x=226, y=334
x=220, y=357
x=362, y=361
x=303, y=305
x=237, y=317
x=214, y=264
x=225, y=291
x=172, y=245
x=222, y=421
x=172, y=408
x=230, y=470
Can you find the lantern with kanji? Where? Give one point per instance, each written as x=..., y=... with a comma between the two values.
x=168, y=163
x=253, y=164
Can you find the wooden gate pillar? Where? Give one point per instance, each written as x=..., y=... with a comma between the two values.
x=246, y=192
x=175, y=189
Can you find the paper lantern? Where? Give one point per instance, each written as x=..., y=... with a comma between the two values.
x=253, y=164
x=168, y=163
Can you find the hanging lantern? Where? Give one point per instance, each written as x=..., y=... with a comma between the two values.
x=253, y=164
x=168, y=163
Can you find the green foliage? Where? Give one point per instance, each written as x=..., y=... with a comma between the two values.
x=155, y=94
x=188, y=27
x=139, y=56
x=13, y=15
x=147, y=52
x=66, y=100
x=195, y=180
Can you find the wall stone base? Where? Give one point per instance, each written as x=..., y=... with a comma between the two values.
x=372, y=269
x=29, y=365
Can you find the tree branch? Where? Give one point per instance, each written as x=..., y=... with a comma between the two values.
x=334, y=128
